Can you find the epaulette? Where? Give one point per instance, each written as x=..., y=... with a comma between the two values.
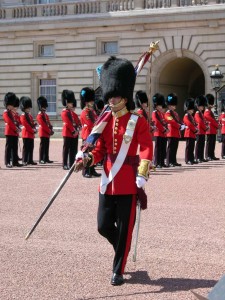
x=39, y=113
x=136, y=114
x=197, y=112
x=186, y=114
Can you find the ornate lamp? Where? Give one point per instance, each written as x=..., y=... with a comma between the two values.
x=216, y=77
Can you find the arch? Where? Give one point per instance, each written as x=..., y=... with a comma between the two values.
x=179, y=71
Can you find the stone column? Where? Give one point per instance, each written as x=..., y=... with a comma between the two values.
x=104, y=6
x=139, y=4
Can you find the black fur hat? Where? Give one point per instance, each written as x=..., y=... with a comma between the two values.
x=67, y=97
x=200, y=101
x=87, y=94
x=140, y=98
x=17, y=102
x=25, y=102
x=158, y=99
x=172, y=99
x=117, y=79
x=210, y=99
x=9, y=99
x=189, y=104
x=100, y=104
x=42, y=102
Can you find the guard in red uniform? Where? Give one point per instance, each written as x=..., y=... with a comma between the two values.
x=190, y=131
x=28, y=131
x=222, y=124
x=174, y=126
x=200, y=103
x=212, y=129
x=161, y=130
x=11, y=131
x=124, y=171
x=70, y=129
x=77, y=124
x=19, y=127
x=88, y=117
x=45, y=130
x=141, y=101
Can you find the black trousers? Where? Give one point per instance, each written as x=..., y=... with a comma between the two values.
x=70, y=145
x=44, y=149
x=223, y=145
x=164, y=145
x=11, y=147
x=171, y=152
x=210, y=145
x=189, y=149
x=116, y=219
x=158, y=153
x=200, y=146
x=28, y=149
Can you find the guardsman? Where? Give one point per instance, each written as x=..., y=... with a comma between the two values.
x=19, y=126
x=76, y=124
x=45, y=130
x=11, y=131
x=88, y=117
x=190, y=131
x=28, y=131
x=141, y=101
x=200, y=104
x=222, y=124
x=164, y=139
x=70, y=131
x=123, y=171
x=161, y=129
x=174, y=134
x=212, y=129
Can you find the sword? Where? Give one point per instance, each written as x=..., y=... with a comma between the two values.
x=51, y=200
x=137, y=230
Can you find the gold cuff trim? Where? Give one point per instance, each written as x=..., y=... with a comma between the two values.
x=144, y=168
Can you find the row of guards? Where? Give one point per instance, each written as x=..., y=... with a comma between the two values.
x=199, y=125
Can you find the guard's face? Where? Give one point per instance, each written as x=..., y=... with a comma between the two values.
x=159, y=107
x=90, y=104
x=70, y=105
x=117, y=103
x=201, y=108
x=172, y=107
x=27, y=110
x=144, y=105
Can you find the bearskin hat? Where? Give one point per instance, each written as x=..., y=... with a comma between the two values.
x=158, y=99
x=140, y=98
x=210, y=99
x=171, y=99
x=100, y=104
x=189, y=104
x=17, y=102
x=42, y=102
x=75, y=103
x=87, y=94
x=67, y=97
x=117, y=79
x=200, y=101
x=25, y=102
x=9, y=99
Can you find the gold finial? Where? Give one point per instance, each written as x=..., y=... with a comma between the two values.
x=217, y=66
x=154, y=46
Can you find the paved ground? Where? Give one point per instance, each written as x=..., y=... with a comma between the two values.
x=181, y=244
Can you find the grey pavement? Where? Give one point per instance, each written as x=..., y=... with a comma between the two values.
x=181, y=242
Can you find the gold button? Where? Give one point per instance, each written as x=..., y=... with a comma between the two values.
x=116, y=127
x=115, y=132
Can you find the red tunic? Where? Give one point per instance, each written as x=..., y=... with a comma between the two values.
x=28, y=130
x=213, y=124
x=201, y=122
x=68, y=123
x=10, y=126
x=44, y=124
x=191, y=129
x=87, y=118
x=173, y=124
x=145, y=114
x=110, y=142
x=77, y=123
x=222, y=122
x=160, y=123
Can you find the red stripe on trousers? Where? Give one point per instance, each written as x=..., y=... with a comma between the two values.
x=129, y=234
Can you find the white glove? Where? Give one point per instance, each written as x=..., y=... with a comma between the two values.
x=182, y=127
x=140, y=181
x=80, y=155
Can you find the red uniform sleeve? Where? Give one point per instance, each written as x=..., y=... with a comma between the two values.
x=209, y=118
x=200, y=122
x=188, y=123
x=144, y=139
x=67, y=121
x=170, y=120
x=9, y=121
x=158, y=124
x=24, y=122
x=43, y=124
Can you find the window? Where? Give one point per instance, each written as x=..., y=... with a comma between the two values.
x=48, y=90
x=109, y=47
x=45, y=1
x=46, y=50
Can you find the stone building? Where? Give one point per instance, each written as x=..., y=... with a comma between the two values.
x=48, y=46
